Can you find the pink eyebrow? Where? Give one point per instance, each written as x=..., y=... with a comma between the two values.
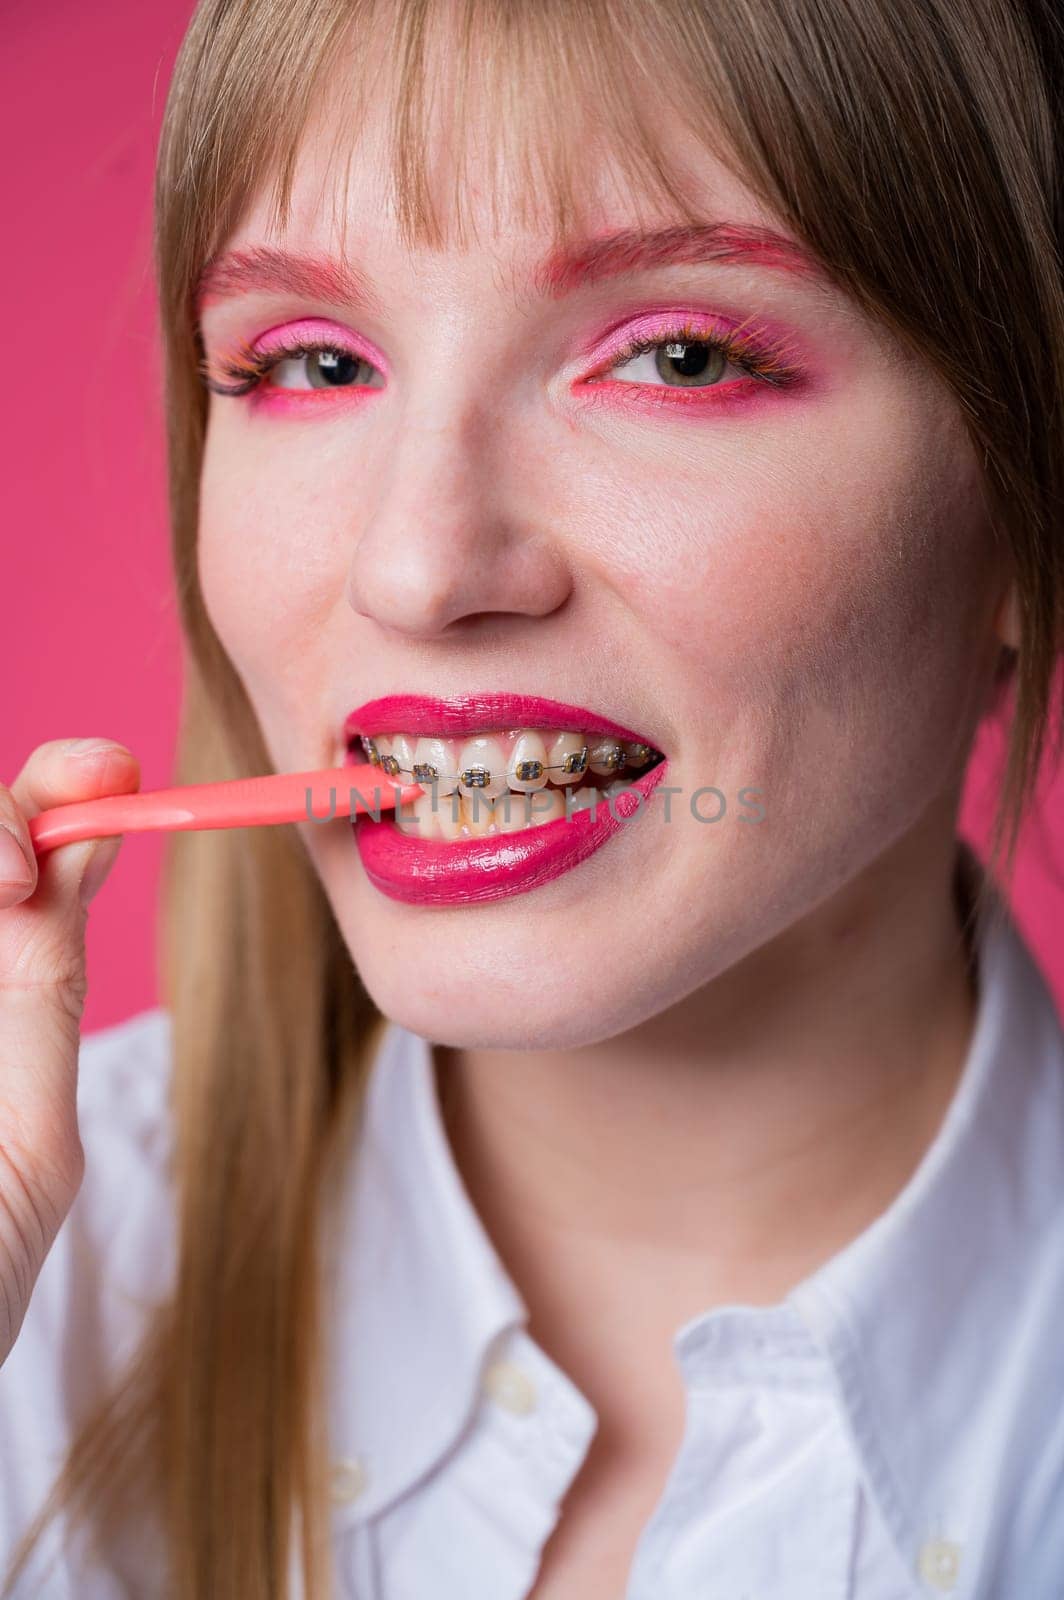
x=631, y=251
x=265, y=269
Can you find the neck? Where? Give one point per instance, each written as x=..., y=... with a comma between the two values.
x=734, y=1143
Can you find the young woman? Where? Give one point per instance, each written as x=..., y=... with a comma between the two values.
x=661, y=1202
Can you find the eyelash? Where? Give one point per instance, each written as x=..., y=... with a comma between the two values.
x=767, y=362
x=245, y=369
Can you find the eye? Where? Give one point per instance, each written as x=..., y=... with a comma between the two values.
x=687, y=355
x=296, y=367
x=319, y=368
x=684, y=357
x=681, y=364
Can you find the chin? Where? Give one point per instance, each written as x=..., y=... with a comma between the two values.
x=463, y=1006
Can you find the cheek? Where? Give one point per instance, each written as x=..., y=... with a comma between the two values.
x=270, y=566
x=875, y=624
x=841, y=573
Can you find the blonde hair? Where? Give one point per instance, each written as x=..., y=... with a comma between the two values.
x=916, y=149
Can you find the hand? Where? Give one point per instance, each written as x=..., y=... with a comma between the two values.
x=43, y=984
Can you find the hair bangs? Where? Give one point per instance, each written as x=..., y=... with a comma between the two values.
x=548, y=92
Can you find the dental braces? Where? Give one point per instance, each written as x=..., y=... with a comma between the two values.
x=478, y=776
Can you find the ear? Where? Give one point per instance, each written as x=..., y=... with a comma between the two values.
x=1007, y=619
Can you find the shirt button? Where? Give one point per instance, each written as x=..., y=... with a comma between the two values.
x=347, y=1480
x=510, y=1387
x=940, y=1562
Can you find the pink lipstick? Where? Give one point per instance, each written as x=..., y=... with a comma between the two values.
x=489, y=866
x=478, y=713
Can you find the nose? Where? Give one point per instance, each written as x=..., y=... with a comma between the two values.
x=452, y=532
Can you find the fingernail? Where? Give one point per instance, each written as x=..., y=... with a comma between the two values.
x=88, y=749
x=15, y=870
x=100, y=863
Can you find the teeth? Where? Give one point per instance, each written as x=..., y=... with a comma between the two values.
x=527, y=767
x=402, y=749
x=518, y=810
x=478, y=814
x=567, y=758
x=449, y=816
x=482, y=767
x=502, y=782
x=638, y=754
x=606, y=757
x=547, y=806
x=508, y=813
x=417, y=819
x=438, y=759
x=584, y=799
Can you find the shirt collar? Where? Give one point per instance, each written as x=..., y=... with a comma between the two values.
x=940, y=1320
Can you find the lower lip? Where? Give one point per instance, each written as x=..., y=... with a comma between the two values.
x=430, y=872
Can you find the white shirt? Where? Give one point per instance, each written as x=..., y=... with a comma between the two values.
x=892, y=1429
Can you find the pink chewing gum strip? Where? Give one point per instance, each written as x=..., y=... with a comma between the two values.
x=237, y=803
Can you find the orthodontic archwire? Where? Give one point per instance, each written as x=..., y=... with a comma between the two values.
x=478, y=776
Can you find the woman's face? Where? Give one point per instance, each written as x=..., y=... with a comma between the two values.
x=786, y=587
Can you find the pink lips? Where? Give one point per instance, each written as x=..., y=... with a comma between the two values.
x=491, y=867
x=478, y=713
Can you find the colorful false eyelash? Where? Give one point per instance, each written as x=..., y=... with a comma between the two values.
x=751, y=350
x=244, y=369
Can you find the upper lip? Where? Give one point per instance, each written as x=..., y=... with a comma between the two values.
x=479, y=713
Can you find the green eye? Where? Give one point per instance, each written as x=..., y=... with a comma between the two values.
x=318, y=369
x=692, y=364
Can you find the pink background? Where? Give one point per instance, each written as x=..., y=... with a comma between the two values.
x=90, y=641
